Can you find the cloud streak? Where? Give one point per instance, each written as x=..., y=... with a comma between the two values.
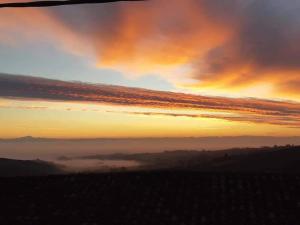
x=243, y=109
x=290, y=121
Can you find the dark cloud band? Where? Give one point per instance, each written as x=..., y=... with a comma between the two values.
x=260, y=110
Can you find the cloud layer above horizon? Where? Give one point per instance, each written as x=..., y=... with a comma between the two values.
x=228, y=45
x=232, y=109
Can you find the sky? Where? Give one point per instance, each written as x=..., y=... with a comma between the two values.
x=151, y=69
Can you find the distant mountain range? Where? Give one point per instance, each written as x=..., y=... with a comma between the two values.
x=47, y=148
x=260, y=139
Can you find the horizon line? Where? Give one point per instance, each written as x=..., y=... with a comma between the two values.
x=149, y=137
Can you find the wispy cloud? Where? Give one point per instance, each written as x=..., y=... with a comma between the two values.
x=290, y=121
x=242, y=109
x=24, y=107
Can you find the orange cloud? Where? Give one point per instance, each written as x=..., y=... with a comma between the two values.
x=159, y=33
x=229, y=45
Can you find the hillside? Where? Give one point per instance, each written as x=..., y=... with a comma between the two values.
x=265, y=159
x=10, y=167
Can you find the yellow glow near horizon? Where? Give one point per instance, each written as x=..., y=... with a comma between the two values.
x=70, y=120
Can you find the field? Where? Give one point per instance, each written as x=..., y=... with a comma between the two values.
x=158, y=198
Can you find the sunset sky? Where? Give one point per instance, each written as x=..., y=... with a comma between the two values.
x=159, y=68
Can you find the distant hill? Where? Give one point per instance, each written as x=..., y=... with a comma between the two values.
x=265, y=159
x=11, y=167
x=276, y=159
x=43, y=148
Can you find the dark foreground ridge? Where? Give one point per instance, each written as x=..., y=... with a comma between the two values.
x=152, y=198
x=12, y=167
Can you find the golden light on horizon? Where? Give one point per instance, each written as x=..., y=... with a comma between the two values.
x=73, y=120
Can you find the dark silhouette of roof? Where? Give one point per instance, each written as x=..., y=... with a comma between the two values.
x=58, y=3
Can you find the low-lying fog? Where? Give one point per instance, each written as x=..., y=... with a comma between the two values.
x=29, y=148
x=89, y=165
